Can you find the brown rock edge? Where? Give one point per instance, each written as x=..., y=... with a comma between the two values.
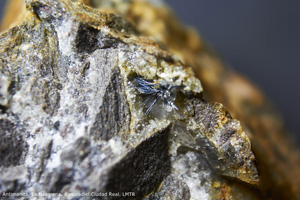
x=277, y=157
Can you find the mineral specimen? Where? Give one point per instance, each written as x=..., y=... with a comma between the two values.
x=72, y=118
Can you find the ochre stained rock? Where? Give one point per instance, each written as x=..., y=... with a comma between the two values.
x=68, y=87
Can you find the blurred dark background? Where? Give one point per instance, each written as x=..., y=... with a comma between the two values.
x=259, y=39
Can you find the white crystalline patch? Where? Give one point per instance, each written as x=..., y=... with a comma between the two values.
x=23, y=105
x=25, y=46
x=19, y=173
x=104, y=29
x=195, y=189
x=116, y=146
x=65, y=37
x=137, y=61
x=29, y=161
x=53, y=161
x=169, y=72
x=193, y=84
x=35, y=144
x=4, y=84
x=147, y=63
x=158, y=124
x=192, y=176
x=173, y=146
x=60, y=143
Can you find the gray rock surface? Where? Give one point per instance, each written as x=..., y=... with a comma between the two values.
x=73, y=121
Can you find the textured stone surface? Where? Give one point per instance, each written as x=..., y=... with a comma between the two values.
x=278, y=158
x=74, y=120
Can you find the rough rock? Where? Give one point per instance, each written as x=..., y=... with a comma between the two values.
x=277, y=156
x=73, y=121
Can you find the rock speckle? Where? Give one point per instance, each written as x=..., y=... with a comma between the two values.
x=71, y=116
